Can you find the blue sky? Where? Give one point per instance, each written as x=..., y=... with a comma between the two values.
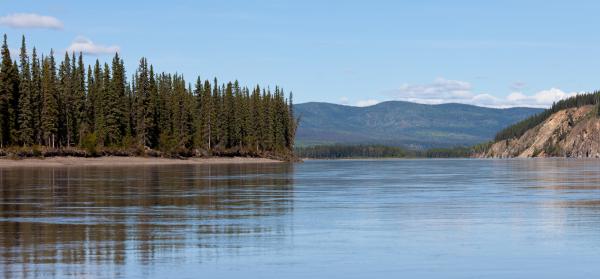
x=491, y=53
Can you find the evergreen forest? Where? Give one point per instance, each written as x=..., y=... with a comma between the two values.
x=103, y=109
x=340, y=151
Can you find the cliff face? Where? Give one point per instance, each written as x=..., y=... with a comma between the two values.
x=572, y=132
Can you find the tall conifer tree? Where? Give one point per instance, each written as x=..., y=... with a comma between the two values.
x=50, y=114
x=26, y=120
x=36, y=96
x=43, y=104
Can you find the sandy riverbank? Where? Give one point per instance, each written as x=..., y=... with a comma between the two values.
x=126, y=161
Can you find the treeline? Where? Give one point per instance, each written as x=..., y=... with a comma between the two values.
x=455, y=152
x=518, y=129
x=338, y=151
x=67, y=104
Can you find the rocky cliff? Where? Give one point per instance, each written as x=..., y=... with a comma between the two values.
x=573, y=132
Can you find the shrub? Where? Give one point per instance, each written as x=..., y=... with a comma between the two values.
x=36, y=151
x=90, y=144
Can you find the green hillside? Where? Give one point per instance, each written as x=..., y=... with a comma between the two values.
x=403, y=123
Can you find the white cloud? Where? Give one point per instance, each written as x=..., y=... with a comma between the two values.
x=24, y=20
x=542, y=98
x=439, y=91
x=366, y=103
x=454, y=91
x=360, y=103
x=86, y=46
x=344, y=100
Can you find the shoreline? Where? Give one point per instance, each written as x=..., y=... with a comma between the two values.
x=382, y=159
x=125, y=161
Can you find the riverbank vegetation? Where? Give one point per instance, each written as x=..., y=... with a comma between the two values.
x=68, y=108
x=337, y=151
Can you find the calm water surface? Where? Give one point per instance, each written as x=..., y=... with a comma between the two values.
x=319, y=219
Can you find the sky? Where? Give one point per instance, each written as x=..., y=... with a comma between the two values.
x=488, y=53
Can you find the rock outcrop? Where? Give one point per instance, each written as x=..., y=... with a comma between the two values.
x=573, y=132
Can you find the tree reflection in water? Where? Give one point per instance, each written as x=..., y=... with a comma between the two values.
x=73, y=217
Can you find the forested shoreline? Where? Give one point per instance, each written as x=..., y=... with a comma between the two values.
x=68, y=108
x=365, y=151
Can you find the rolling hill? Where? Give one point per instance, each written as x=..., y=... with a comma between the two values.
x=400, y=123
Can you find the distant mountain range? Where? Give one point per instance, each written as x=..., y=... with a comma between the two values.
x=400, y=123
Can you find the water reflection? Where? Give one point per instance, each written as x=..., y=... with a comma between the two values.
x=559, y=183
x=55, y=216
x=319, y=219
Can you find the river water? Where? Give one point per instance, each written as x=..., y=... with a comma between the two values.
x=536, y=218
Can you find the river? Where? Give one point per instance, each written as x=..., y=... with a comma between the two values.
x=534, y=218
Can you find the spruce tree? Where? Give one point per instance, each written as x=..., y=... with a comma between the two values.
x=200, y=118
x=246, y=118
x=278, y=119
x=236, y=119
x=65, y=109
x=50, y=114
x=36, y=97
x=115, y=92
x=293, y=123
x=141, y=94
x=90, y=100
x=107, y=116
x=79, y=99
x=130, y=125
x=176, y=109
x=165, y=115
x=5, y=94
x=187, y=116
x=97, y=90
x=60, y=107
x=257, y=124
x=26, y=119
x=14, y=112
x=208, y=114
x=227, y=116
x=132, y=106
x=217, y=127
x=152, y=112
x=9, y=90
x=268, y=133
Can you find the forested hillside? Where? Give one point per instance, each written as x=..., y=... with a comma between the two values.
x=570, y=128
x=405, y=124
x=66, y=104
x=519, y=128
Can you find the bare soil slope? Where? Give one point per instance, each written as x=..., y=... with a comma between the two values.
x=573, y=132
